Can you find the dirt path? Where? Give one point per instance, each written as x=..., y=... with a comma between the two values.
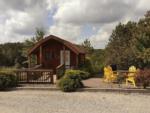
x=99, y=83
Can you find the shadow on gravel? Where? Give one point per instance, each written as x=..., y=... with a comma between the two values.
x=116, y=90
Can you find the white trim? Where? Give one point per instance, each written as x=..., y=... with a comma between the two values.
x=67, y=57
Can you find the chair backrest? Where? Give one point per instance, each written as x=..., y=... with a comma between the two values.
x=132, y=69
x=114, y=67
x=105, y=70
x=108, y=70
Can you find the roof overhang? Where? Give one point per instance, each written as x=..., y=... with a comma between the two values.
x=68, y=44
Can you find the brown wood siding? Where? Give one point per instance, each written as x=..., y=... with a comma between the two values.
x=55, y=47
x=73, y=58
x=81, y=59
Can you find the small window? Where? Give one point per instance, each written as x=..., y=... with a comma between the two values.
x=82, y=59
x=48, y=56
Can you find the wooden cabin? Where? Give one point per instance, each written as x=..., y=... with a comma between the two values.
x=52, y=52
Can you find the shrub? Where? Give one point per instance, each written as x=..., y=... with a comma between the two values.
x=82, y=74
x=4, y=82
x=7, y=81
x=68, y=85
x=120, y=78
x=60, y=73
x=87, y=66
x=77, y=79
x=71, y=81
x=70, y=72
x=143, y=78
x=13, y=80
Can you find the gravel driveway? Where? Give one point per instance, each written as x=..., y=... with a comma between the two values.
x=79, y=102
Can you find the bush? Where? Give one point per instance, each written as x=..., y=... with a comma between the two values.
x=13, y=80
x=87, y=66
x=143, y=78
x=120, y=78
x=82, y=74
x=60, y=73
x=69, y=85
x=77, y=80
x=70, y=72
x=7, y=81
x=66, y=85
x=71, y=81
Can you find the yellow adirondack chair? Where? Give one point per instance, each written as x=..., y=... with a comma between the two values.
x=109, y=76
x=131, y=75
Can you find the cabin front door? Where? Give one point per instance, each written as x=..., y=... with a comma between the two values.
x=65, y=58
x=51, y=59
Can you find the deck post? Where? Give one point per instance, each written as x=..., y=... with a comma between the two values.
x=64, y=54
x=29, y=61
x=77, y=61
x=40, y=55
x=27, y=73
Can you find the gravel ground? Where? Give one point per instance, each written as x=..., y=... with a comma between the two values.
x=78, y=102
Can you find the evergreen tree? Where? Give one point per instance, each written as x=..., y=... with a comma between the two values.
x=39, y=34
x=129, y=44
x=87, y=46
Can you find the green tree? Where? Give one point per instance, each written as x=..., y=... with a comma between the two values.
x=15, y=54
x=10, y=53
x=87, y=46
x=129, y=44
x=97, y=60
x=143, y=41
x=39, y=34
x=94, y=58
x=29, y=43
x=120, y=48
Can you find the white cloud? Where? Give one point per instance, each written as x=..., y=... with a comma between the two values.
x=67, y=18
x=100, y=39
x=67, y=31
x=19, y=19
x=97, y=11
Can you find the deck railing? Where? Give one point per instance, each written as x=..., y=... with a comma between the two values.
x=60, y=70
x=35, y=76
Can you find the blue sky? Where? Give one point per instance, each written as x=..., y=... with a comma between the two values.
x=73, y=20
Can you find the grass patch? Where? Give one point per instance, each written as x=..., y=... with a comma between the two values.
x=7, y=70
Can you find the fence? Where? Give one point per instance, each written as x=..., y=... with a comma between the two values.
x=35, y=76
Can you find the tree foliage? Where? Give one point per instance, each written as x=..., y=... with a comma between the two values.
x=11, y=53
x=94, y=57
x=15, y=54
x=87, y=46
x=129, y=44
x=29, y=43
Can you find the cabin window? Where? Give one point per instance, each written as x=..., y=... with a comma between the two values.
x=82, y=59
x=48, y=56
